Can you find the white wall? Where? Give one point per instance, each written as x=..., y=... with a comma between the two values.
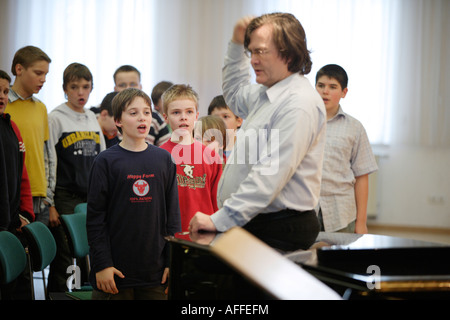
x=414, y=187
x=413, y=182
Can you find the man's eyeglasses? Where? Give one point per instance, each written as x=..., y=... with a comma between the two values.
x=256, y=52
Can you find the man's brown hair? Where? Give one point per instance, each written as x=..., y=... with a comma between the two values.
x=289, y=38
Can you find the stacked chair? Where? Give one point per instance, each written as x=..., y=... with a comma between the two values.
x=13, y=259
x=41, y=250
x=75, y=228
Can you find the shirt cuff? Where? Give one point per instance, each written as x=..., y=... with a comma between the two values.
x=225, y=219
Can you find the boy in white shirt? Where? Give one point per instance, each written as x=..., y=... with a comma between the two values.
x=348, y=159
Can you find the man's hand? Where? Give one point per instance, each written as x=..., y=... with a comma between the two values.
x=204, y=238
x=201, y=222
x=240, y=29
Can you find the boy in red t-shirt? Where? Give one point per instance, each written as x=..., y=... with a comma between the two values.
x=198, y=168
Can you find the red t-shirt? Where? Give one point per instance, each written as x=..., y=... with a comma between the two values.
x=198, y=173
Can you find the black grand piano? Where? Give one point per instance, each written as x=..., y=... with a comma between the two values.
x=236, y=265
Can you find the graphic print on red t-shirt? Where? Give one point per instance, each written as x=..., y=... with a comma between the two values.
x=189, y=180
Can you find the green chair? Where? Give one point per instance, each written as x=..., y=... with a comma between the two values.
x=81, y=207
x=75, y=228
x=13, y=259
x=41, y=249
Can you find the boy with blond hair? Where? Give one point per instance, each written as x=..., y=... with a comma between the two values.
x=198, y=171
x=132, y=207
x=31, y=66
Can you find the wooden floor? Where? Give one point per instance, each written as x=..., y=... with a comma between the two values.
x=424, y=234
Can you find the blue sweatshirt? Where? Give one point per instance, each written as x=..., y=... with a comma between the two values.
x=132, y=207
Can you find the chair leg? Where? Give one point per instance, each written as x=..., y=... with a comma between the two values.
x=45, y=285
x=31, y=277
x=88, y=264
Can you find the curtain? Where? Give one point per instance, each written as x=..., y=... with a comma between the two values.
x=102, y=34
x=420, y=114
x=394, y=51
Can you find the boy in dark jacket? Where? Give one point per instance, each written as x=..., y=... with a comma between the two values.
x=15, y=197
x=16, y=202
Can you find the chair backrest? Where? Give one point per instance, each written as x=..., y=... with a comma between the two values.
x=75, y=227
x=41, y=245
x=81, y=207
x=13, y=258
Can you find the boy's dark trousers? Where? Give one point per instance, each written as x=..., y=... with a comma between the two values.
x=65, y=202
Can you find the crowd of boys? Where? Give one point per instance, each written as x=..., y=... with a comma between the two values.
x=145, y=176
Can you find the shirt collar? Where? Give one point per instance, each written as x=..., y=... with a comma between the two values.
x=340, y=113
x=278, y=88
x=13, y=96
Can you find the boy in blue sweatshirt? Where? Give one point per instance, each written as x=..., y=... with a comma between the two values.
x=132, y=207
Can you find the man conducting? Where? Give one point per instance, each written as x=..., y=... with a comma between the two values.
x=272, y=196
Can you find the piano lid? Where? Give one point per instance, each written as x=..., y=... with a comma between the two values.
x=395, y=255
